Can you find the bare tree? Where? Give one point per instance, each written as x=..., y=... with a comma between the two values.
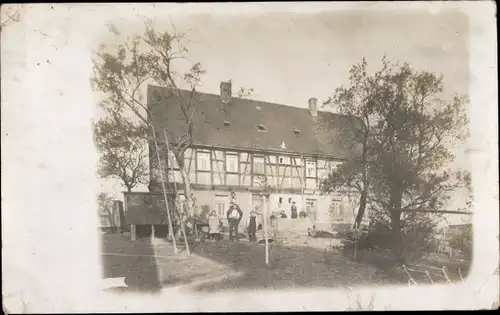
x=154, y=57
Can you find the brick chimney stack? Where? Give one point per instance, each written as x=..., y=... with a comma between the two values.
x=225, y=91
x=313, y=106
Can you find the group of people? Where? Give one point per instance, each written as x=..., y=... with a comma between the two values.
x=234, y=216
x=293, y=213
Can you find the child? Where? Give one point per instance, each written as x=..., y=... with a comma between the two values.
x=233, y=200
x=213, y=226
x=252, y=224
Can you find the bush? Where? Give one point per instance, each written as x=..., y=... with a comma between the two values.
x=462, y=241
x=418, y=239
x=369, y=238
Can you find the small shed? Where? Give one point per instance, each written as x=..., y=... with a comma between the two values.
x=147, y=209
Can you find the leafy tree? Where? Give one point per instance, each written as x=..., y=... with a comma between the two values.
x=406, y=132
x=105, y=207
x=123, y=150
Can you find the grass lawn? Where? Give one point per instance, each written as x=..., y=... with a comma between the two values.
x=224, y=265
x=148, y=267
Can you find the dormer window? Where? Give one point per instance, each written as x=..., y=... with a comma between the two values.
x=261, y=127
x=227, y=123
x=296, y=131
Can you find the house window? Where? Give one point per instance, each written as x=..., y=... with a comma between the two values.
x=221, y=202
x=334, y=165
x=284, y=160
x=337, y=210
x=258, y=165
x=311, y=169
x=203, y=161
x=231, y=163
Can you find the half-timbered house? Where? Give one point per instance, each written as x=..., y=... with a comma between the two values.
x=239, y=142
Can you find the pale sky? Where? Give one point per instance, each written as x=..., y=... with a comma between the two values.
x=288, y=57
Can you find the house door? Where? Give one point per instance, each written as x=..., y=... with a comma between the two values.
x=311, y=210
x=257, y=203
x=257, y=206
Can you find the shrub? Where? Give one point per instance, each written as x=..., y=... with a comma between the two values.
x=462, y=241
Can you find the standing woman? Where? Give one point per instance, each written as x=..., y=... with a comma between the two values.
x=252, y=224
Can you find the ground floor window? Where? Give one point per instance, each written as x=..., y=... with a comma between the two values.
x=221, y=204
x=336, y=210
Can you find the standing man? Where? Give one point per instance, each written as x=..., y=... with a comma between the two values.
x=234, y=215
x=293, y=211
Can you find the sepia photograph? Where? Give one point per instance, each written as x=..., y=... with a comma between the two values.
x=242, y=150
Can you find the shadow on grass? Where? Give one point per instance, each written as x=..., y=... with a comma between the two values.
x=294, y=266
x=136, y=261
x=289, y=267
x=148, y=267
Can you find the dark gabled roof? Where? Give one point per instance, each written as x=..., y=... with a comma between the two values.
x=320, y=135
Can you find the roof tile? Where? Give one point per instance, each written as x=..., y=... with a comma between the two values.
x=319, y=135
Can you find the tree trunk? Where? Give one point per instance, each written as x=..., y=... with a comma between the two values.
x=187, y=191
x=264, y=207
x=364, y=193
x=362, y=207
x=397, y=246
x=189, y=204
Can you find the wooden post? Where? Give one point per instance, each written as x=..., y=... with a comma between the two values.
x=264, y=205
x=133, y=235
x=152, y=233
x=302, y=182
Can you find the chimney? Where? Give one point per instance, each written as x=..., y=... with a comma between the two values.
x=225, y=91
x=313, y=106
